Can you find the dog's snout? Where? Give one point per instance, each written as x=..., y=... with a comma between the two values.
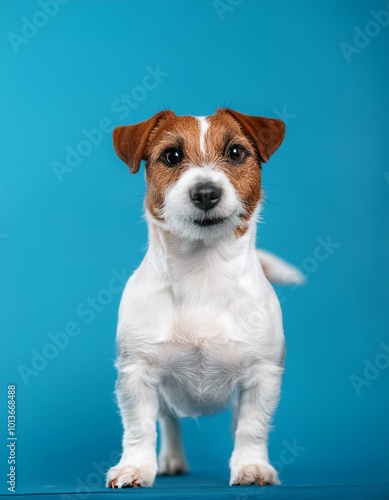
x=205, y=196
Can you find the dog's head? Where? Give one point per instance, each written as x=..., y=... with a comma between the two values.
x=203, y=174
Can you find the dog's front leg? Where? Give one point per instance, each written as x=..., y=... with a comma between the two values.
x=258, y=399
x=137, y=397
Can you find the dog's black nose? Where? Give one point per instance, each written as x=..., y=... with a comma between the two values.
x=205, y=196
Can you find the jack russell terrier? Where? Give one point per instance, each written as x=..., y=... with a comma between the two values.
x=199, y=323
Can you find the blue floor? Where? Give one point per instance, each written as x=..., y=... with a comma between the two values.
x=211, y=486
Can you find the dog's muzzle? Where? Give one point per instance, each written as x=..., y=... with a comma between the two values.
x=205, y=196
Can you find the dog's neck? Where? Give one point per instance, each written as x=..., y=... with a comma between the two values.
x=222, y=262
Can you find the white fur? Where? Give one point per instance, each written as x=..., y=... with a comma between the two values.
x=204, y=126
x=278, y=270
x=198, y=323
x=180, y=213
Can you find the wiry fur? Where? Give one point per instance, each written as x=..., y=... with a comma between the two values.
x=198, y=320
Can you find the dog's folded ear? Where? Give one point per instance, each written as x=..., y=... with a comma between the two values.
x=266, y=134
x=130, y=141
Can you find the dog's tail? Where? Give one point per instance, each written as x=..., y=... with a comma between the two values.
x=279, y=271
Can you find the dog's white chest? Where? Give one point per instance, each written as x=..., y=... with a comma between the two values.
x=208, y=325
x=208, y=350
x=199, y=377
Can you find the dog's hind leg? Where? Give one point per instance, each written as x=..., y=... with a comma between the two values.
x=171, y=458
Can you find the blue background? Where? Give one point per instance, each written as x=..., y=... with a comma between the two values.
x=60, y=241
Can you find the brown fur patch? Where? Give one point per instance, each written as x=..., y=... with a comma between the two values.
x=244, y=177
x=130, y=141
x=266, y=134
x=174, y=131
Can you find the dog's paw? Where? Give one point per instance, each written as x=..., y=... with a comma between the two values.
x=261, y=473
x=130, y=476
x=171, y=465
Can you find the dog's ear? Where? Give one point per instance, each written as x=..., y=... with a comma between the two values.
x=267, y=134
x=130, y=141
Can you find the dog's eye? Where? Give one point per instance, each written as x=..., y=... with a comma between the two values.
x=236, y=153
x=172, y=156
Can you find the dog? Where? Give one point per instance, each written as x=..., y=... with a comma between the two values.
x=199, y=323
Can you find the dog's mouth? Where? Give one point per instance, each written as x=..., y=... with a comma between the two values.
x=209, y=222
